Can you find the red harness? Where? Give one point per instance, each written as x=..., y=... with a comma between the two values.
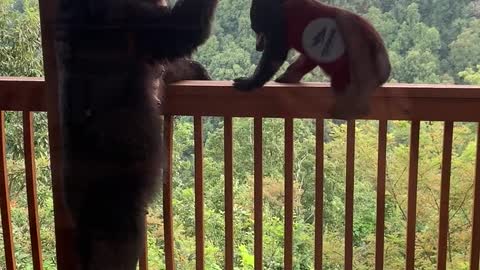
x=312, y=31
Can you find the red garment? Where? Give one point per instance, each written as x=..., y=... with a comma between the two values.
x=308, y=14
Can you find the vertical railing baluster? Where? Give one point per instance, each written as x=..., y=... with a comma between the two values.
x=167, y=195
x=349, y=192
x=475, y=246
x=31, y=184
x=5, y=201
x=199, y=204
x=381, y=175
x=143, y=261
x=228, y=146
x=258, y=192
x=319, y=194
x=445, y=196
x=289, y=154
x=412, y=194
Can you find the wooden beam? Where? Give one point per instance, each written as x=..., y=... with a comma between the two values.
x=349, y=194
x=314, y=100
x=199, y=195
x=22, y=94
x=31, y=183
x=288, y=254
x=63, y=228
x=445, y=197
x=5, y=213
x=168, y=197
x=319, y=183
x=412, y=195
x=381, y=182
x=308, y=100
x=228, y=161
x=258, y=192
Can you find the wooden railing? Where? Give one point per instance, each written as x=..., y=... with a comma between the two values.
x=413, y=103
x=26, y=95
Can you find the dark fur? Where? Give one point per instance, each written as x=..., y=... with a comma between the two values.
x=113, y=58
x=274, y=44
x=185, y=69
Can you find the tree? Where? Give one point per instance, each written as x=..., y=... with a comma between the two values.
x=465, y=50
x=20, y=48
x=471, y=75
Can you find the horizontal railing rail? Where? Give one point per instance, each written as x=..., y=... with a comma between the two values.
x=312, y=100
x=424, y=102
x=23, y=94
x=414, y=103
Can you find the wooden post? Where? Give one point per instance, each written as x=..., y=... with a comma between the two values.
x=63, y=228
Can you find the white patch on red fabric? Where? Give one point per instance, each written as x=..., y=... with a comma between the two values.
x=322, y=40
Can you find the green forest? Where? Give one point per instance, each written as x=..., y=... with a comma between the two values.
x=429, y=41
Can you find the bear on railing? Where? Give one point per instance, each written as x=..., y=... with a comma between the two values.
x=343, y=44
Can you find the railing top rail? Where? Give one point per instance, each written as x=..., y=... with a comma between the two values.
x=307, y=100
x=23, y=94
x=313, y=100
x=322, y=89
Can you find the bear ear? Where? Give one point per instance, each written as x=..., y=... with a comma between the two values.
x=162, y=3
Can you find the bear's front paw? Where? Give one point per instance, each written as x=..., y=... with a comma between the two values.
x=245, y=84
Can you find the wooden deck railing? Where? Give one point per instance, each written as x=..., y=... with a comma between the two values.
x=413, y=103
x=24, y=95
